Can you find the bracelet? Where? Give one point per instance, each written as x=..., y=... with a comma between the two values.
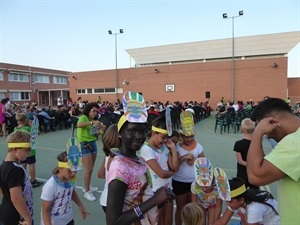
x=138, y=212
x=228, y=207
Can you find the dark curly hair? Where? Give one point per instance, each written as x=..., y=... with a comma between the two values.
x=89, y=107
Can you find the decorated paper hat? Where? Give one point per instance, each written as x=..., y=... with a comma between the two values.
x=222, y=184
x=187, y=123
x=203, y=172
x=74, y=154
x=135, y=110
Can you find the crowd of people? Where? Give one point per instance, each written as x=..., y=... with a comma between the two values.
x=148, y=168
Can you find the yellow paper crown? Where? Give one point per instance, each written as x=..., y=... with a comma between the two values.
x=19, y=145
x=159, y=130
x=63, y=165
x=238, y=191
x=121, y=122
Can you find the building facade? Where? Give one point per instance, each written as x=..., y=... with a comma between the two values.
x=197, y=71
x=26, y=84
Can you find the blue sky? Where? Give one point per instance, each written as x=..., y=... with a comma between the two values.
x=72, y=35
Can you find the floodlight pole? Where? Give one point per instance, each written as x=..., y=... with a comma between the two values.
x=116, y=57
x=233, y=66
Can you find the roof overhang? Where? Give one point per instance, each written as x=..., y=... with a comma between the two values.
x=251, y=46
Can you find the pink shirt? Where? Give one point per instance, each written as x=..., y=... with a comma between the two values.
x=133, y=174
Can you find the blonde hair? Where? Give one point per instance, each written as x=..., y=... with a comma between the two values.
x=19, y=136
x=191, y=214
x=21, y=118
x=247, y=126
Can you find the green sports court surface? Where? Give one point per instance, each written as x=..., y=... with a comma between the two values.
x=217, y=147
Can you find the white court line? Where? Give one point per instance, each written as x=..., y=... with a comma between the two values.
x=78, y=187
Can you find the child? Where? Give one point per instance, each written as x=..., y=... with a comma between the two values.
x=189, y=150
x=57, y=194
x=130, y=198
x=205, y=191
x=241, y=148
x=22, y=120
x=191, y=214
x=253, y=206
x=17, y=203
x=162, y=160
x=110, y=140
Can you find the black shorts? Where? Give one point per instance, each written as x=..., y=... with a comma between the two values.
x=29, y=160
x=180, y=188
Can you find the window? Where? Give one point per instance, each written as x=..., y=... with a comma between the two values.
x=18, y=77
x=99, y=90
x=40, y=78
x=1, y=75
x=96, y=91
x=104, y=90
x=2, y=95
x=60, y=80
x=19, y=96
x=110, y=90
x=81, y=91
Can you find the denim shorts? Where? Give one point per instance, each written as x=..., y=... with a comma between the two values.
x=88, y=148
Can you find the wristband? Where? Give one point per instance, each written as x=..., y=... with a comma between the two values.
x=228, y=207
x=91, y=122
x=138, y=212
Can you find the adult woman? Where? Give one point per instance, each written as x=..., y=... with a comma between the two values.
x=254, y=207
x=87, y=131
x=130, y=198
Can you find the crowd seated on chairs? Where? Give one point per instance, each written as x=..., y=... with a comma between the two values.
x=229, y=115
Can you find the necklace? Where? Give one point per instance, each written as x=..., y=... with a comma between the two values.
x=69, y=184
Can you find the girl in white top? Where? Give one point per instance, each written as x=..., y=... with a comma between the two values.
x=188, y=150
x=57, y=195
x=162, y=159
x=254, y=207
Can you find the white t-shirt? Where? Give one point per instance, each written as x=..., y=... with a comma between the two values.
x=262, y=214
x=185, y=172
x=59, y=101
x=161, y=156
x=61, y=210
x=103, y=198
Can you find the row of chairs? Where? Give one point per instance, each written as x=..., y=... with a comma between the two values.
x=231, y=120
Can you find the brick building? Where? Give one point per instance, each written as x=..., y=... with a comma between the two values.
x=184, y=72
x=189, y=71
x=26, y=84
